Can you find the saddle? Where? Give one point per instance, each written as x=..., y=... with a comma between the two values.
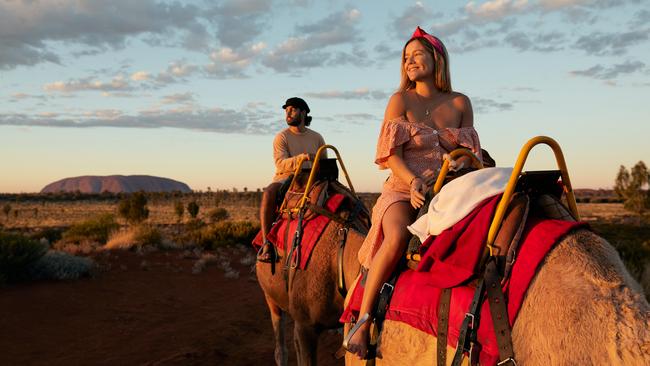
x=292, y=192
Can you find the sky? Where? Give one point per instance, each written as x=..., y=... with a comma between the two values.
x=192, y=90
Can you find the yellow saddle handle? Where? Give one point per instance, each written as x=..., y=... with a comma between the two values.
x=514, y=177
x=312, y=176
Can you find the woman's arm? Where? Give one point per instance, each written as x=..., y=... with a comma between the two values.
x=397, y=108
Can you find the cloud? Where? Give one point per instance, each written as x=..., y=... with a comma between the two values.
x=30, y=29
x=486, y=105
x=542, y=42
x=140, y=76
x=306, y=49
x=362, y=93
x=118, y=83
x=177, y=71
x=600, y=43
x=356, y=118
x=641, y=18
x=240, y=21
x=229, y=63
x=495, y=10
x=412, y=16
x=178, y=98
x=216, y=120
x=608, y=73
x=492, y=23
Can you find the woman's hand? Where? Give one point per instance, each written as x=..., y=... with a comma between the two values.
x=455, y=165
x=417, y=189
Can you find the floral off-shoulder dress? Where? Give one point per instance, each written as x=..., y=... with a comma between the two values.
x=422, y=153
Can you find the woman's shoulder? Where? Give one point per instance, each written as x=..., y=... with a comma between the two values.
x=396, y=106
x=459, y=99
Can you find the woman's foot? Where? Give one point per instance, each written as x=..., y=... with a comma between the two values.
x=267, y=253
x=357, y=340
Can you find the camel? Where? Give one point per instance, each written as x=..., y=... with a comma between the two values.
x=582, y=308
x=313, y=300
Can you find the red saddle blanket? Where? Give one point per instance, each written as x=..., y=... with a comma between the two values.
x=312, y=230
x=449, y=261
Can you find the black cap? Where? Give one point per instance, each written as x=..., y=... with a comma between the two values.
x=296, y=102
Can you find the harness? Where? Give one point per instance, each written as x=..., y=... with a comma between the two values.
x=306, y=202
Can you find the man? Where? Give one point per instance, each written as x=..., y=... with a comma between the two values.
x=289, y=146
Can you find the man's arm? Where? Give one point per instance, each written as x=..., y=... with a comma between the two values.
x=283, y=161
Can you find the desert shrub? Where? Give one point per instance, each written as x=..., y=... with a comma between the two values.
x=218, y=214
x=133, y=208
x=52, y=234
x=16, y=253
x=179, y=209
x=137, y=236
x=147, y=235
x=226, y=233
x=193, y=209
x=56, y=265
x=6, y=209
x=97, y=229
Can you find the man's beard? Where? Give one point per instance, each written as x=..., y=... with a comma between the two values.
x=294, y=122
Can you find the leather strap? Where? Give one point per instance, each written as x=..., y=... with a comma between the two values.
x=443, y=325
x=469, y=327
x=498, y=311
x=343, y=231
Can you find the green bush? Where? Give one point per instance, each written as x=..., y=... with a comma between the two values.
x=193, y=209
x=55, y=265
x=16, y=253
x=97, y=229
x=52, y=234
x=134, y=208
x=223, y=233
x=147, y=235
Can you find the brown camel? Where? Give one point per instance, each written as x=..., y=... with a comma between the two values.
x=582, y=308
x=312, y=300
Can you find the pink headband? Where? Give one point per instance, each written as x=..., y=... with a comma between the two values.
x=435, y=42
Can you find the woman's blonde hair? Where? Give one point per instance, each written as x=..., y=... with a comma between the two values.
x=441, y=77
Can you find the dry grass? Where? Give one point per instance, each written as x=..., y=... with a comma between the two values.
x=62, y=214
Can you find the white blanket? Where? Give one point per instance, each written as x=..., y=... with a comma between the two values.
x=458, y=198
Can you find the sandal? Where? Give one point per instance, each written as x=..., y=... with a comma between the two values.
x=267, y=253
x=370, y=349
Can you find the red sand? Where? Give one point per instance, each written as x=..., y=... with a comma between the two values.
x=158, y=315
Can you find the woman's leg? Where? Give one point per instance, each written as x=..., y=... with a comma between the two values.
x=396, y=237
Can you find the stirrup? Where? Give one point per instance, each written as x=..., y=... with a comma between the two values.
x=370, y=351
x=271, y=252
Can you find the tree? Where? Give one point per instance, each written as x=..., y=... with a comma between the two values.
x=179, y=209
x=630, y=187
x=6, y=209
x=193, y=209
x=133, y=208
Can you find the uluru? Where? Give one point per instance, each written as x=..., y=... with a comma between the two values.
x=116, y=184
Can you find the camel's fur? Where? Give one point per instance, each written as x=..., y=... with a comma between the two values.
x=313, y=300
x=582, y=308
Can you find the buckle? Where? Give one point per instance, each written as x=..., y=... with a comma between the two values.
x=471, y=324
x=385, y=285
x=509, y=359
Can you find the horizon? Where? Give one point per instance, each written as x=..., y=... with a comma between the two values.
x=192, y=91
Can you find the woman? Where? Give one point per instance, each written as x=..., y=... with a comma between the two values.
x=424, y=120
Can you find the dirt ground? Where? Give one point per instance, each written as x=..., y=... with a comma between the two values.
x=144, y=309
